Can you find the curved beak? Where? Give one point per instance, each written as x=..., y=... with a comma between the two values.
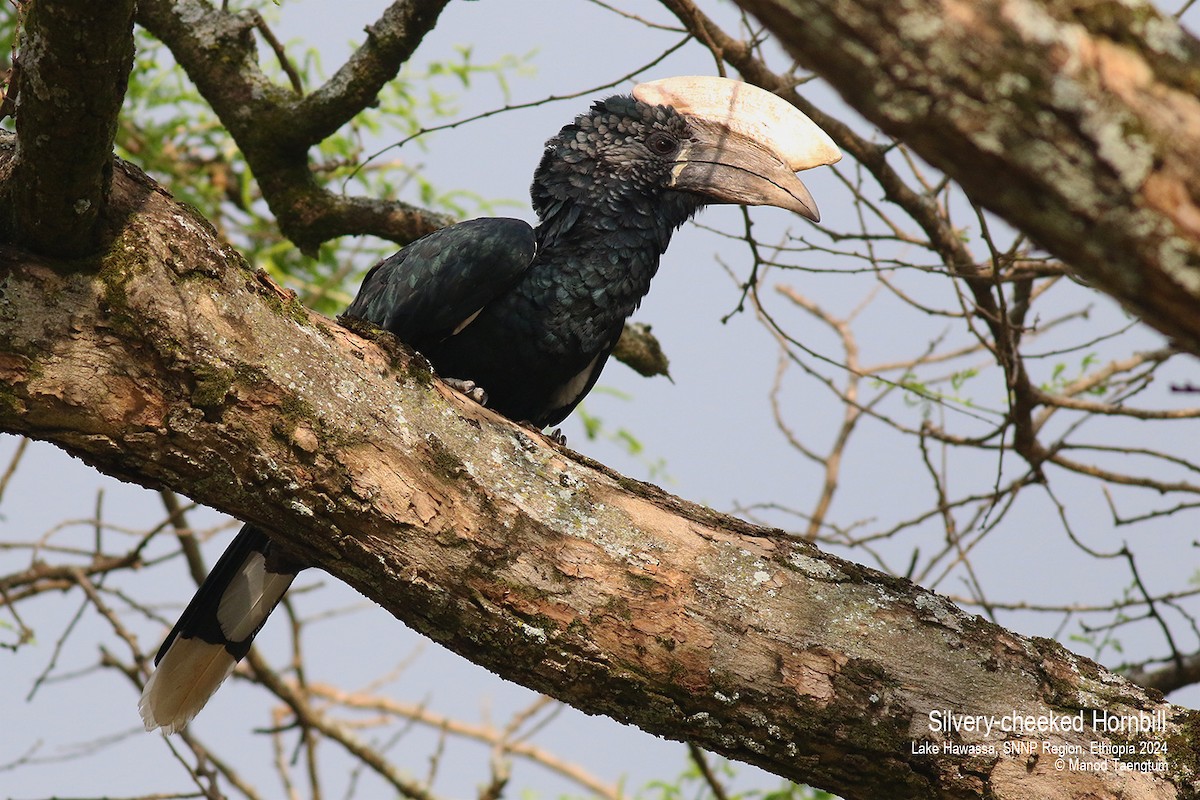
x=726, y=167
x=747, y=143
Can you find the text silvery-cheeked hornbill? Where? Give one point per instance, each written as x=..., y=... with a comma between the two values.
x=530, y=315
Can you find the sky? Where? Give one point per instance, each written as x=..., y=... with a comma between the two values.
x=708, y=435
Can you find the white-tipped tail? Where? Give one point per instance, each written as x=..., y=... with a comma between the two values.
x=215, y=630
x=189, y=673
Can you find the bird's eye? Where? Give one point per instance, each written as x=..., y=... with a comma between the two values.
x=662, y=144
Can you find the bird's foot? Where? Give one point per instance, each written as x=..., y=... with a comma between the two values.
x=469, y=388
x=556, y=436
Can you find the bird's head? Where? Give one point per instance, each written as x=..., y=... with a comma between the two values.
x=713, y=139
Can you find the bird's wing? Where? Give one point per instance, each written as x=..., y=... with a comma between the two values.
x=435, y=286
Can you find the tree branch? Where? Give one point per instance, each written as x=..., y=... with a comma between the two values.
x=275, y=128
x=172, y=366
x=390, y=42
x=1080, y=125
x=75, y=60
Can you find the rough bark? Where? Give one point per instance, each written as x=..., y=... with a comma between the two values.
x=1079, y=123
x=75, y=59
x=171, y=365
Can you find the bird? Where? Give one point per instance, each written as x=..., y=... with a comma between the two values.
x=524, y=317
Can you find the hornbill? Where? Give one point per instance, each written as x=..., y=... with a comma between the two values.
x=529, y=315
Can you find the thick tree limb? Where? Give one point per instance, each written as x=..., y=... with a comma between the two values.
x=275, y=127
x=171, y=365
x=1078, y=123
x=75, y=59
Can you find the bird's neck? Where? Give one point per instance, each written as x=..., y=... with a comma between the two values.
x=605, y=253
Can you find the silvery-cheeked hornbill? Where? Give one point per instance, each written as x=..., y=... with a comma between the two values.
x=529, y=315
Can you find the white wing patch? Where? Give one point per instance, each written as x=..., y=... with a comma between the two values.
x=465, y=323
x=569, y=392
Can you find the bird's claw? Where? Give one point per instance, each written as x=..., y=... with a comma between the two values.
x=469, y=388
x=556, y=436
